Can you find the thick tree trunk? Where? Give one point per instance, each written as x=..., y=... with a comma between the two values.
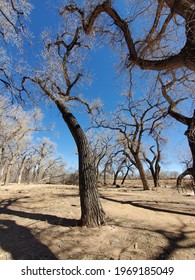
x=92, y=213
x=142, y=174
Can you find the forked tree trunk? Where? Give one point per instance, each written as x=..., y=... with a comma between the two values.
x=92, y=213
x=155, y=174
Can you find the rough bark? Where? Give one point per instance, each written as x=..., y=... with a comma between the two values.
x=142, y=174
x=92, y=213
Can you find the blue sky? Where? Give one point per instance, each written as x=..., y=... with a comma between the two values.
x=105, y=85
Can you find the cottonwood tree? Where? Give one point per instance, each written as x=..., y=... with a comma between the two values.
x=188, y=121
x=102, y=145
x=109, y=160
x=154, y=158
x=135, y=120
x=121, y=166
x=16, y=127
x=59, y=81
x=144, y=35
x=152, y=47
x=44, y=163
x=13, y=15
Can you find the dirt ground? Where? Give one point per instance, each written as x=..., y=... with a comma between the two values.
x=40, y=222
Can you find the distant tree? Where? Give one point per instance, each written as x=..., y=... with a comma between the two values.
x=134, y=120
x=102, y=145
x=16, y=127
x=156, y=152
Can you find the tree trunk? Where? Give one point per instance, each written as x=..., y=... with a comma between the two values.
x=142, y=174
x=155, y=173
x=116, y=176
x=1, y=174
x=188, y=171
x=92, y=213
x=8, y=171
x=125, y=176
x=105, y=173
x=21, y=170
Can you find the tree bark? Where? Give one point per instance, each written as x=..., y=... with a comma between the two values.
x=21, y=170
x=8, y=171
x=92, y=213
x=142, y=174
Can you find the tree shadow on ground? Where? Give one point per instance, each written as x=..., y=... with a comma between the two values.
x=21, y=243
x=141, y=204
x=175, y=241
x=51, y=219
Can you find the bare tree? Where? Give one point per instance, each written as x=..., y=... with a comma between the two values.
x=134, y=120
x=13, y=14
x=16, y=127
x=156, y=152
x=151, y=50
x=101, y=143
x=190, y=132
x=59, y=81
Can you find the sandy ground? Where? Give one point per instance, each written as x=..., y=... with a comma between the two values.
x=40, y=222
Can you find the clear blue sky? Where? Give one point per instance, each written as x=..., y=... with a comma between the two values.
x=105, y=85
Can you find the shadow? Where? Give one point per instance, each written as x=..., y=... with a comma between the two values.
x=21, y=244
x=174, y=241
x=153, y=208
x=51, y=219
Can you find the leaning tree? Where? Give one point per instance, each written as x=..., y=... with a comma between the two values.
x=153, y=35
x=60, y=80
